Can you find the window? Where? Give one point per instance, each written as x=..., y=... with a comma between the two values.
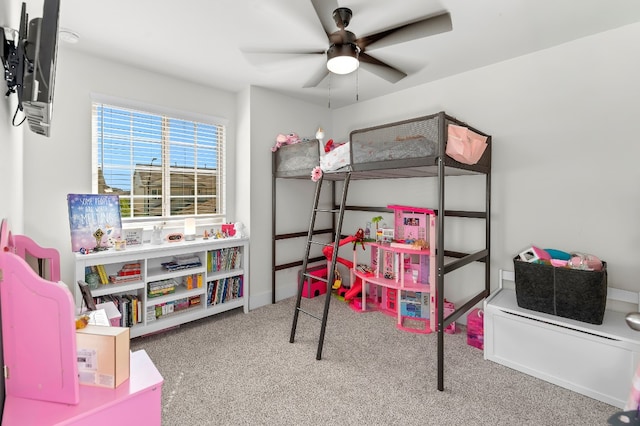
x=160, y=166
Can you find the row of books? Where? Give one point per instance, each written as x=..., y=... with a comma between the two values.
x=130, y=272
x=192, y=281
x=100, y=271
x=224, y=290
x=182, y=262
x=155, y=312
x=129, y=305
x=224, y=259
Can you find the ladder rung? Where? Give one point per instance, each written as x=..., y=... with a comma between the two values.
x=320, y=243
x=324, y=280
x=328, y=210
x=310, y=314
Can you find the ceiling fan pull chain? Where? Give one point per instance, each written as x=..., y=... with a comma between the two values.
x=330, y=79
x=357, y=85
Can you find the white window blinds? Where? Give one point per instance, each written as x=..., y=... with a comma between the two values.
x=160, y=166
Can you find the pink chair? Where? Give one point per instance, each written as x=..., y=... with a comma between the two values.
x=25, y=247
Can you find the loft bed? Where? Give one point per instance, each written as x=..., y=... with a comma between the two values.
x=414, y=148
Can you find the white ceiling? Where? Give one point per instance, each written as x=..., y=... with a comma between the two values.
x=201, y=40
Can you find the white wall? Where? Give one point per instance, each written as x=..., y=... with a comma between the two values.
x=61, y=164
x=11, y=140
x=564, y=123
x=272, y=113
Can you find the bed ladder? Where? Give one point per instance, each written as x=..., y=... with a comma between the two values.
x=346, y=176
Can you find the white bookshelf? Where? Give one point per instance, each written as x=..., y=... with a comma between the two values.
x=150, y=257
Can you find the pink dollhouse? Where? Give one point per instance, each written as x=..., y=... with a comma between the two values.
x=401, y=282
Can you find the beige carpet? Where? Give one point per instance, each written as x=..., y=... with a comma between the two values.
x=240, y=369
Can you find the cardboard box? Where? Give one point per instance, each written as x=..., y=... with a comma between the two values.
x=103, y=355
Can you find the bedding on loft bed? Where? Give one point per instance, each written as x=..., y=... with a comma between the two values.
x=409, y=148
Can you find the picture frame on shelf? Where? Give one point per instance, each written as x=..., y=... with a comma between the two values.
x=133, y=236
x=94, y=219
x=86, y=295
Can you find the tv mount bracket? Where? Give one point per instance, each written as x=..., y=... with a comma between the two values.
x=10, y=60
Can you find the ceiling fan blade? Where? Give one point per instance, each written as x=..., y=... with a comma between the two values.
x=324, y=9
x=415, y=30
x=260, y=58
x=317, y=77
x=380, y=68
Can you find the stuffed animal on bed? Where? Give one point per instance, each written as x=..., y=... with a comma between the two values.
x=282, y=140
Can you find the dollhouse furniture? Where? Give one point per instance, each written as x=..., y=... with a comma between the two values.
x=40, y=358
x=598, y=361
x=415, y=148
x=313, y=286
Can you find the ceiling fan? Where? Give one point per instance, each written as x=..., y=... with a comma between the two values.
x=346, y=52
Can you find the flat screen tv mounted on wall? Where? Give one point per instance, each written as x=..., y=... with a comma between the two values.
x=30, y=66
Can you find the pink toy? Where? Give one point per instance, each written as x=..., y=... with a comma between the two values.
x=411, y=224
x=228, y=229
x=331, y=145
x=534, y=254
x=314, y=287
x=354, y=291
x=475, y=328
x=316, y=173
x=282, y=140
x=587, y=262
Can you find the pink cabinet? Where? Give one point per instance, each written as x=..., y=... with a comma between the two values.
x=136, y=401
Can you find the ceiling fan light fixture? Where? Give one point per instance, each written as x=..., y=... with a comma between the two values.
x=342, y=59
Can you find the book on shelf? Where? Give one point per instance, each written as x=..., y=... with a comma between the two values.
x=192, y=281
x=128, y=272
x=161, y=292
x=224, y=290
x=224, y=259
x=151, y=313
x=121, y=279
x=182, y=262
x=102, y=273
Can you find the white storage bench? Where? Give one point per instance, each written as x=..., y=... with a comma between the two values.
x=598, y=361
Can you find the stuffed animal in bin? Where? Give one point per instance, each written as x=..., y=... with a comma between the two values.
x=288, y=139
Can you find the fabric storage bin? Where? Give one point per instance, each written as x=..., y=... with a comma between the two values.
x=570, y=293
x=465, y=145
